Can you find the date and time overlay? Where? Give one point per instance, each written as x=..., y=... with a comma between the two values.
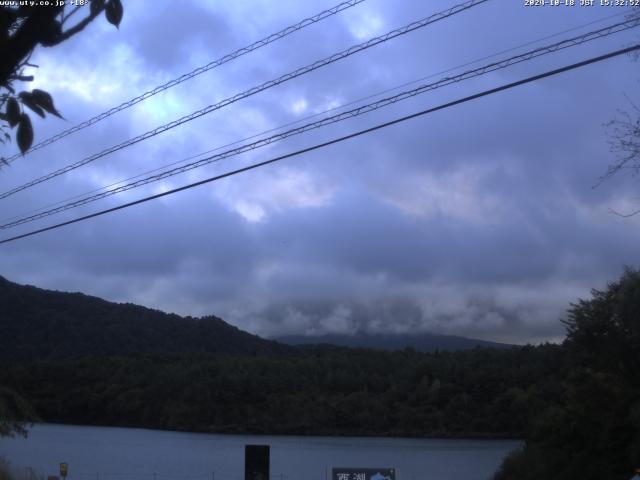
x=526, y=3
x=581, y=3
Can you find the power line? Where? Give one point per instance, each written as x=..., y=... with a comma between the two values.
x=492, y=67
x=252, y=91
x=194, y=73
x=315, y=115
x=334, y=141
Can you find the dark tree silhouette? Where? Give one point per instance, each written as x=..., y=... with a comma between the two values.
x=624, y=141
x=22, y=29
x=15, y=413
x=594, y=433
x=624, y=137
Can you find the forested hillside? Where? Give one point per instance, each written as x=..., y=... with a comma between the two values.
x=37, y=323
x=592, y=431
x=330, y=391
x=577, y=404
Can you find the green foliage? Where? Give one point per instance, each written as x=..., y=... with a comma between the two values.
x=15, y=414
x=80, y=359
x=37, y=323
x=5, y=472
x=594, y=431
x=8, y=473
x=476, y=393
x=577, y=404
x=114, y=12
x=603, y=332
x=24, y=135
x=13, y=112
x=22, y=29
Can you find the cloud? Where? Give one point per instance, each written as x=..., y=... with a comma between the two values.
x=282, y=189
x=477, y=220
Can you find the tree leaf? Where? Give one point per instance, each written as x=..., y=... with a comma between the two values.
x=50, y=33
x=13, y=112
x=114, y=11
x=96, y=6
x=45, y=100
x=28, y=100
x=24, y=135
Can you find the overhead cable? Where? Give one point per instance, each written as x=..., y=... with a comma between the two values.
x=309, y=117
x=333, y=141
x=492, y=67
x=194, y=73
x=252, y=91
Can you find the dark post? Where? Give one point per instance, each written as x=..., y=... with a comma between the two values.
x=256, y=462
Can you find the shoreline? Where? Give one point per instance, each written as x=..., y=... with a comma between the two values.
x=389, y=435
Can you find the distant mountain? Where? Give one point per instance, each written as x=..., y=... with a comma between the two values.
x=45, y=324
x=425, y=342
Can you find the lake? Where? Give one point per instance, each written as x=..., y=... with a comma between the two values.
x=106, y=453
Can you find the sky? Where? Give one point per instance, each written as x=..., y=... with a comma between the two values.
x=485, y=219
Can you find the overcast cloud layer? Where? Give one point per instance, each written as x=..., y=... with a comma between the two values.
x=479, y=220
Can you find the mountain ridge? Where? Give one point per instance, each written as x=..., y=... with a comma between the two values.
x=46, y=324
x=423, y=342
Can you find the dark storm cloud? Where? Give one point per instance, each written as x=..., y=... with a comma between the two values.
x=171, y=36
x=476, y=315
x=369, y=237
x=477, y=220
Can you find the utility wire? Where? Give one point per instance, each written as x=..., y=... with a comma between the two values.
x=335, y=140
x=309, y=117
x=541, y=51
x=252, y=91
x=194, y=73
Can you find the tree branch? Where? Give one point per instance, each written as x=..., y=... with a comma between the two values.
x=70, y=14
x=25, y=39
x=78, y=27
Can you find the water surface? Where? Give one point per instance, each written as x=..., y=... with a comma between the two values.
x=106, y=453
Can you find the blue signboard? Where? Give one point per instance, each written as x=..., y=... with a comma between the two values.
x=363, y=474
